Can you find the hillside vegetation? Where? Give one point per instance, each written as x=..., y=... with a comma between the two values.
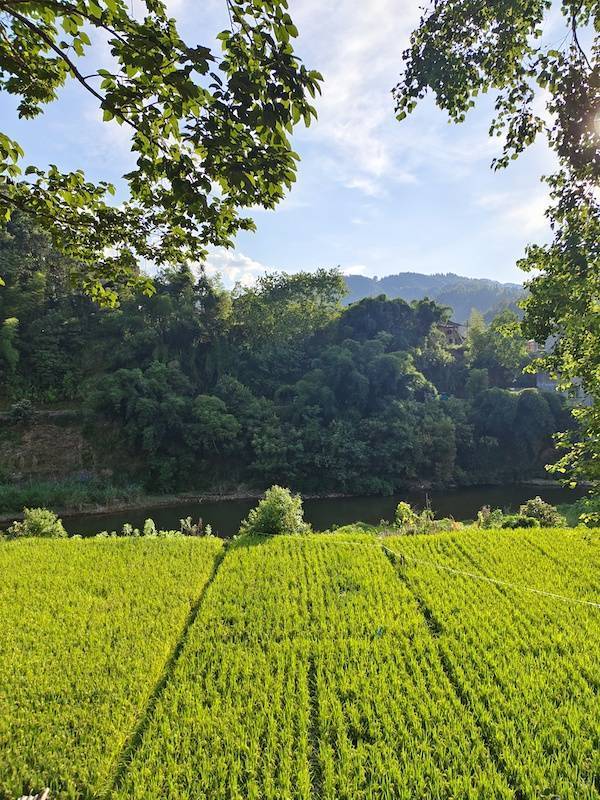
x=461, y=294
x=331, y=666
x=197, y=387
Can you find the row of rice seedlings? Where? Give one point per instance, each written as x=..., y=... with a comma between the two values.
x=86, y=628
x=525, y=568
x=232, y=723
x=525, y=664
x=391, y=727
x=578, y=548
x=567, y=625
x=559, y=561
x=389, y=723
x=234, y=720
x=562, y=561
x=309, y=673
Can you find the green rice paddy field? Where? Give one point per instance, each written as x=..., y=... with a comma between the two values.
x=336, y=666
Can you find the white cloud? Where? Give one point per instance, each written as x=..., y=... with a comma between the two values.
x=357, y=269
x=234, y=267
x=175, y=7
x=529, y=215
x=358, y=48
x=524, y=216
x=369, y=186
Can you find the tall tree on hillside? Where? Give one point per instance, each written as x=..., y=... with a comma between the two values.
x=499, y=348
x=464, y=47
x=210, y=132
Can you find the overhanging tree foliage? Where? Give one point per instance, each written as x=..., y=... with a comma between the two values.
x=210, y=131
x=463, y=48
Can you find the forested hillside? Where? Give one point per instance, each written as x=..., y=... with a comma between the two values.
x=276, y=383
x=460, y=294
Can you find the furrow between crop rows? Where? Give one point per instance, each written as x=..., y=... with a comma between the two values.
x=449, y=669
x=134, y=740
x=302, y=668
x=82, y=646
x=525, y=664
x=327, y=686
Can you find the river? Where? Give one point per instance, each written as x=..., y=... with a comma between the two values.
x=225, y=515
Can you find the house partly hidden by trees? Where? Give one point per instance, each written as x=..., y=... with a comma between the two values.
x=544, y=382
x=455, y=333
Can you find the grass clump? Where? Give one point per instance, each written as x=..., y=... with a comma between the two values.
x=72, y=493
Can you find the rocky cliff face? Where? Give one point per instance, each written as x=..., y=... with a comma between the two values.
x=45, y=447
x=53, y=445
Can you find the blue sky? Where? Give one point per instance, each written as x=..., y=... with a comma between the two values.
x=373, y=196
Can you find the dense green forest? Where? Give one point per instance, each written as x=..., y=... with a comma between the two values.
x=278, y=382
x=461, y=294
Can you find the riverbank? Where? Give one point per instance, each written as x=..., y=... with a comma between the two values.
x=225, y=512
x=144, y=501
x=140, y=502
x=135, y=500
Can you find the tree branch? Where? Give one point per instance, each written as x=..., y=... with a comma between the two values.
x=42, y=214
x=60, y=53
x=72, y=68
x=576, y=39
x=16, y=55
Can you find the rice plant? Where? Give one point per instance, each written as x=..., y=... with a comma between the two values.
x=520, y=647
x=86, y=628
x=339, y=667
x=310, y=673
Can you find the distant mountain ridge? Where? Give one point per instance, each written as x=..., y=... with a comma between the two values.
x=460, y=293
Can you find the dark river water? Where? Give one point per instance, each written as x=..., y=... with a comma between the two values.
x=225, y=515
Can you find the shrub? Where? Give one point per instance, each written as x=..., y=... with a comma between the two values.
x=21, y=411
x=585, y=511
x=547, y=515
x=279, y=512
x=519, y=521
x=409, y=521
x=38, y=522
x=488, y=518
x=589, y=508
x=405, y=515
